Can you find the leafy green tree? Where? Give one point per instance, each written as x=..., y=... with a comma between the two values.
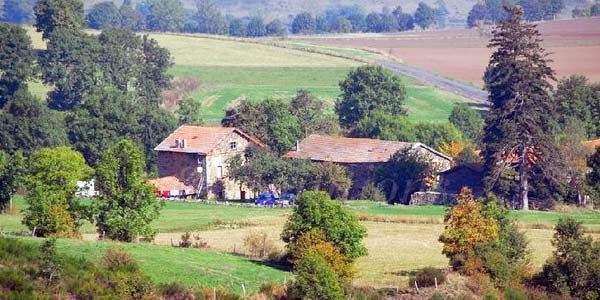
x=71, y=64
x=269, y=121
x=12, y=169
x=104, y=118
x=153, y=78
x=256, y=27
x=131, y=19
x=382, y=125
x=315, y=210
x=466, y=156
x=389, y=23
x=576, y=98
x=467, y=120
x=104, y=15
x=573, y=268
x=158, y=124
x=496, y=12
x=126, y=205
x=166, y=15
x=312, y=114
x=314, y=279
x=341, y=25
x=595, y=10
x=53, y=14
x=16, y=60
x=237, y=27
x=402, y=175
x=405, y=20
x=477, y=13
x=51, y=183
x=424, y=15
x=27, y=124
x=304, y=23
x=520, y=120
x=17, y=11
x=436, y=134
x=373, y=22
x=121, y=59
x=209, y=18
x=276, y=28
x=190, y=112
x=368, y=89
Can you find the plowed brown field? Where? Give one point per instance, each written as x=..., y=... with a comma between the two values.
x=462, y=54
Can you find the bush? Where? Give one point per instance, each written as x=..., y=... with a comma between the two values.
x=372, y=192
x=116, y=259
x=367, y=293
x=272, y=291
x=186, y=241
x=314, y=279
x=175, y=291
x=514, y=294
x=427, y=277
x=315, y=210
x=259, y=244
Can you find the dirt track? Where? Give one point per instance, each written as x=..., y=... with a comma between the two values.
x=477, y=96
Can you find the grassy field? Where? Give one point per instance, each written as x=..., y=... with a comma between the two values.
x=400, y=239
x=192, y=267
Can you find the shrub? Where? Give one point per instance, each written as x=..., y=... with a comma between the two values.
x=480, y=284
x=367, y=293
x=314, y=279
x=176, y=291
x=259, y=244
x=185, y=240
x=514, y=294
x=466, y=228
x=427, y=277
x=272, y=291
x=116, y=259
x=372, y=192
x=315, y=210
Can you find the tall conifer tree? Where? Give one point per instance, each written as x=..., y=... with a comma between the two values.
x=518, y=128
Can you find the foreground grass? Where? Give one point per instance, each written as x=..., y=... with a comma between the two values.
x=191, y=267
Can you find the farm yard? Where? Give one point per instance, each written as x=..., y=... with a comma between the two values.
x=414, y=245
x=462, y=54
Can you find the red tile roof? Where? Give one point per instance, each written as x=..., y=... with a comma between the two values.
x=200, y=139
x=169, y=183
x=351, y=150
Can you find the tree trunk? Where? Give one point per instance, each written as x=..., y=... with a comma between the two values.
x=523, y=183
x=407, y=189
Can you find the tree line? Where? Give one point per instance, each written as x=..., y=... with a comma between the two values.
x=493, y=12
x=170, y=15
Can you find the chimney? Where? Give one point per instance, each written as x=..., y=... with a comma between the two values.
x=297, y=145
x=177, y=143
x=183, y=143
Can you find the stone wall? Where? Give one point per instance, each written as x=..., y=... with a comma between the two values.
x=432, y=198
x=361, y=175
x=184, y=166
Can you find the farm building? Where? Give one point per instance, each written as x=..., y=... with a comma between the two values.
x=469, y=175
x=192, y=160
x=361, y=156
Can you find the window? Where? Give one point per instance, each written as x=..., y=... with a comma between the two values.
x=233, y=146
x=220, y=172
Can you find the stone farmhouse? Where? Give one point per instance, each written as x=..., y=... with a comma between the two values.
x=361, y=156
x=192, y=162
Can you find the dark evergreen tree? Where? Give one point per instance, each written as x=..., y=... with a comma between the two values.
x=16, y=60
x=53, y=14
x=104, y=15
x=518, y=127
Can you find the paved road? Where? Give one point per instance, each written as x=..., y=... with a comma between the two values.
x=476, y=96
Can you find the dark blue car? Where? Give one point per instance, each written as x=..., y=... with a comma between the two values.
x=265, y=199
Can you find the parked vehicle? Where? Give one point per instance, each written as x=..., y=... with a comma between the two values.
x=286, y=199
x=265, y=199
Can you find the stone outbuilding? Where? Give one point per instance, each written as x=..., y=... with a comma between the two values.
x=361, y=156
x=193, y=159
x=466, y=175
